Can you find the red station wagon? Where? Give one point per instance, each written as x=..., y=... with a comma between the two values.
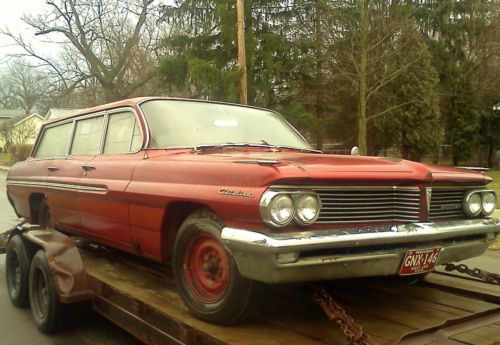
x=231, y=195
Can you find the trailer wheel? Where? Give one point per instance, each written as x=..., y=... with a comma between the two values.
x=207, y=277
x=46, y=308
x=17, y=271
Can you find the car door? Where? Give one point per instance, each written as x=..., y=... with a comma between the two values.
x=106, y=215
x=63, y=176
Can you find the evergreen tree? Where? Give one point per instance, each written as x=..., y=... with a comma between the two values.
x=417, y=121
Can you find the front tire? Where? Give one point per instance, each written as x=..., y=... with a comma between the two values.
x=207, y=277
x=47, y=310
x=17, y=271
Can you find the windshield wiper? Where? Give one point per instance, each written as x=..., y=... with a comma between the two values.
x=202, y=147
x=218, y=146
x=296, y=148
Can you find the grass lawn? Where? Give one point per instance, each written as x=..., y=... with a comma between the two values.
x=5, y=159
x=495, y=185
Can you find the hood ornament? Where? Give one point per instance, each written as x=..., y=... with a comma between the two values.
x=355, y=151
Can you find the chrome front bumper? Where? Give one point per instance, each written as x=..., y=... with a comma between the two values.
x=353, y=252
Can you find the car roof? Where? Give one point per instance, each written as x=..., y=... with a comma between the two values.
x=131, y=102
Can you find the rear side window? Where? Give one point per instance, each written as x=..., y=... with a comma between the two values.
x=123, y=134
x=87, y=136
x=54, y=142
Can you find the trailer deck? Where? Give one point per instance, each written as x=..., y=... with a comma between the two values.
x=142, y=298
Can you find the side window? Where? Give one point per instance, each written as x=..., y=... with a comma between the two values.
x=123, y=134
x=54, y=141
x=87, y=136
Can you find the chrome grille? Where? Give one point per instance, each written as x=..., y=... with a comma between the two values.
x=368, y=204
x=446, y=203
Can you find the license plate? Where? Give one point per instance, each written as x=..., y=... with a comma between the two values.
x=419, y=261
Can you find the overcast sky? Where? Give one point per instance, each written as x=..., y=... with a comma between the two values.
x=10, y=17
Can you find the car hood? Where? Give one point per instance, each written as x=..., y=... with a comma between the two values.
x=298, y=167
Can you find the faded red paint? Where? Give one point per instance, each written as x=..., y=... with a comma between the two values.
x=132, y=214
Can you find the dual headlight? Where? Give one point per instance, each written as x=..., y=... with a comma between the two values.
x=479, y=202
x=280, y=208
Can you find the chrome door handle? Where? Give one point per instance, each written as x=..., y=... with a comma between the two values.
x=87, y=167
x=52, y=168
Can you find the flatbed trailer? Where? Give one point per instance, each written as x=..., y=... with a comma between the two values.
x=141, y=297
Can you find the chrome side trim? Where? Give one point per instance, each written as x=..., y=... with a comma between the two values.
x=59, y=186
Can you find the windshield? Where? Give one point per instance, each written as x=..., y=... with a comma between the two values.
x=186, y=124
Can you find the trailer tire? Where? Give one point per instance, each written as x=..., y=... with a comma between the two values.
x=206, y=274
x=17, y=270
x=47, y=310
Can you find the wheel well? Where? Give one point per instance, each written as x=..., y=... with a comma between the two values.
x=35, y=200
x=175, y=214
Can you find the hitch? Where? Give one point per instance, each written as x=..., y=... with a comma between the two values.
x=4, y=236
x=4, y=239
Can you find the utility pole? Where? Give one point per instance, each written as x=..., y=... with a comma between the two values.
x=240, y=6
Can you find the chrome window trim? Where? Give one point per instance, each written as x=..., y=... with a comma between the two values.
x=104, y=130
x=82, y=118
x=120, y=110
x=145, y=121
x=70, y=143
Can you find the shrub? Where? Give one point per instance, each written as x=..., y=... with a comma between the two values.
x=19, y=152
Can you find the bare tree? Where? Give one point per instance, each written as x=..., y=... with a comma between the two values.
x=24, y=87
x=102, y=40
x=363, y=51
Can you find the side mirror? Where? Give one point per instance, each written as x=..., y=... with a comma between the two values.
x=355, y=151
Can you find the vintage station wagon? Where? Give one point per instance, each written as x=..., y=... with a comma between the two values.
x=231, y=194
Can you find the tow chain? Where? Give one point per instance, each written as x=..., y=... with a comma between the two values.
x=351, y=330
x=486, y=276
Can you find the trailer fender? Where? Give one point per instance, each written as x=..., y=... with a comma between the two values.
x=65, y=263
x=5, y=236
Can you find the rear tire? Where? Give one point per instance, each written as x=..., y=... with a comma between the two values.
x=17, y=272
x=47, y=310
x=207, y=277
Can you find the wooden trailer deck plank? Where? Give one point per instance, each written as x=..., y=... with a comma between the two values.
x=287, y=314
x=487, y=335
x=159, y=292
x=437, y=296
x=451, y=281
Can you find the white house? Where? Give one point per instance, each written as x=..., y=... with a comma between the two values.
x=7, y=116
x=26, y=129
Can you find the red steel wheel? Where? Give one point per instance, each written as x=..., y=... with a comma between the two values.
x=206, y=268
x=206, y=274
